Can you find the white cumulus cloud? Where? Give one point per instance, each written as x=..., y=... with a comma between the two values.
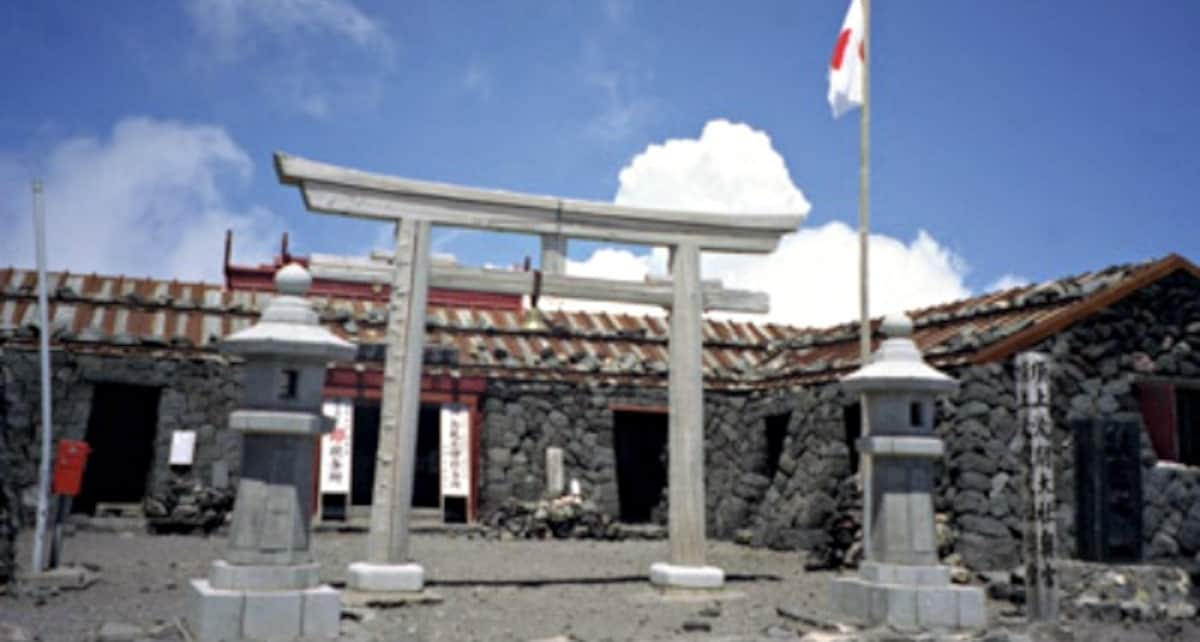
x=148, y=200
x=812, y=277
x=1007, y=282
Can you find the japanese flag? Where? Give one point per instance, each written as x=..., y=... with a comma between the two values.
x=846, y=67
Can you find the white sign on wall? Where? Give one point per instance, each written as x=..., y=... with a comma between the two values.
x=336, y=448
x=183, y=448
x=456, y=451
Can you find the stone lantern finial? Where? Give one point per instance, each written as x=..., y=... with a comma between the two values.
x=292, y=279
x=896, y=325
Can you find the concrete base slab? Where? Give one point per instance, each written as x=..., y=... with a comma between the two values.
x=217, y=614
x=63, y=577
x=367, y=577
x=667, y=575
x=909, y=607
x=378, y=600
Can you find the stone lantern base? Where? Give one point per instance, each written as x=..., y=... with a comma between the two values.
x=243, y=602
x=909, y=597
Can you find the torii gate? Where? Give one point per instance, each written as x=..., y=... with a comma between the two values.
x=415, y=206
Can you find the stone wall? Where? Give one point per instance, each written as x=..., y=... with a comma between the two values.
x=196, y=394
x=1098, y=363
x=799, y=502
x=8, y=492
x=521, y=420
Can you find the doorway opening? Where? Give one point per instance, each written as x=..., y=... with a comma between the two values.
x=640, y=445
x=427, y=478
x=121, y=432
x=777, y=426
x=426, y=465
x=852, y=423
x=362, y=453
x=1108, y=487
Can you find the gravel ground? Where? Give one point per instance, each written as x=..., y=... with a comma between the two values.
x=516, y=590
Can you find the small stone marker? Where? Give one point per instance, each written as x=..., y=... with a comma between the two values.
x=554, y=471
x=1033, y=412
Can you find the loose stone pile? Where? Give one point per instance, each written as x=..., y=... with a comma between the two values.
x=562, y=518
x=1109, y=593
x=185, y=504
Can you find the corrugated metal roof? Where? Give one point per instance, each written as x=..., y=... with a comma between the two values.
x=107, y=312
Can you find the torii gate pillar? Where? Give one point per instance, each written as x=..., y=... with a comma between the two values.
x=388, y=568
x=685, y=446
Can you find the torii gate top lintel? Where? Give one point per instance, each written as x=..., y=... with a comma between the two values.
x=340, y=190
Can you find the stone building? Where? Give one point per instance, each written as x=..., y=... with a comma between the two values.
x=135, y=361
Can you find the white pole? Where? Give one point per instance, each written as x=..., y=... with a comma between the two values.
x=864, y=328
x=43, y=499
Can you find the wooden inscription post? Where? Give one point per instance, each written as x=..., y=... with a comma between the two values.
x=1033, y=412
x=415, y=206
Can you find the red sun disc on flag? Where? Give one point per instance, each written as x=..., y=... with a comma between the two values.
x=839, y=50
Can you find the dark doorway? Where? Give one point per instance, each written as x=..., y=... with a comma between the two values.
x=777, y=426
x=1108, y=478
x=640, y=445
x=364, y=442
x=852, y=422
x=1188, y=414
x=120, y=432
x=426, y=476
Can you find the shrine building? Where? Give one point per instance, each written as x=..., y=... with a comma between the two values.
x=135, y=364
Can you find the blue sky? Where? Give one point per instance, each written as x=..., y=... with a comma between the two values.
x=1021, y=140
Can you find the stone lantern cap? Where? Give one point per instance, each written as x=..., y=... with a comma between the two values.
x=289, y=327
x=897, y=365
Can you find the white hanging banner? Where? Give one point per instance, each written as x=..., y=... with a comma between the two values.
x=456, y=452
x=336, y=448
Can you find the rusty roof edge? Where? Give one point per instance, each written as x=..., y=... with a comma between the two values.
x=1083, y=308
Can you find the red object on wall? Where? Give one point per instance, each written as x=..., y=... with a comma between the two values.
x=69, y=462
x=1157, y=400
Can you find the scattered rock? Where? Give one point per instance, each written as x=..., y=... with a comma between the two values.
x=806, y=620
x=184, y=504
x=566, y=517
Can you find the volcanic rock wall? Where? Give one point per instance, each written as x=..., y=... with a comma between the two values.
x=196, y=394
x=521, y=420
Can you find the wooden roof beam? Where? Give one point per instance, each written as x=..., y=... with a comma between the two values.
x=657, y=292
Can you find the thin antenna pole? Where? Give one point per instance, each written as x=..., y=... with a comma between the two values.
x=43, y=499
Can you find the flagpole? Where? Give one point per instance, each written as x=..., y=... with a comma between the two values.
x=864, y=173
x=864, y=328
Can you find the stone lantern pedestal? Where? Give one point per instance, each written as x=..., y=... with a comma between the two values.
x=900, y=582
x=268, y=586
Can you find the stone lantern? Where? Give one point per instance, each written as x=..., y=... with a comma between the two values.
x=268, y=586
x=900, y=583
